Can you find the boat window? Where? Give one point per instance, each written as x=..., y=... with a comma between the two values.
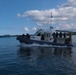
x=48, y=35
x=38, y=31
x=38, y=34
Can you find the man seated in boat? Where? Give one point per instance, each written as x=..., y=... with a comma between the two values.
x=23, y=35
x=27, y=36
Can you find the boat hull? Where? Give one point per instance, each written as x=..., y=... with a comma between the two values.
x=25, y=40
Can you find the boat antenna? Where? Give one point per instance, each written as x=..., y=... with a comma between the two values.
x=50, y=20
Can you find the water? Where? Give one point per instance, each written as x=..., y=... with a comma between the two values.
x=31, y=60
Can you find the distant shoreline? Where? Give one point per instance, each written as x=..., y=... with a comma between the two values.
x=2, y=36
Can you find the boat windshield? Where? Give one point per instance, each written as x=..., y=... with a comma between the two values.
x=38, y=32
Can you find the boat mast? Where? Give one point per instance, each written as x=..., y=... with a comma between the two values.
x=50, y=19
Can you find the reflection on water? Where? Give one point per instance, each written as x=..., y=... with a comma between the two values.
x=41, y=52
x=25, y=52
x=54, y=60
x=37, y=55
x=65, y=52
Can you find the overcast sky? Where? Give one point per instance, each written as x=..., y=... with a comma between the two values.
x=25, y=16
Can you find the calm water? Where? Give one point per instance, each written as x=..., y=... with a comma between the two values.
x=16, y=60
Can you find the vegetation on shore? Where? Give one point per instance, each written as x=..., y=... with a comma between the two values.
x=1, y=36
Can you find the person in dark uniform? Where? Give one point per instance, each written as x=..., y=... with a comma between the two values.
x=27, y=36
x=57, y=34
x=42, y=37
x=64, y=34
x=23, y=35
x=54, y=35
x=60, y=35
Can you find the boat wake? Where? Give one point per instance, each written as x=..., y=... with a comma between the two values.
x=38, y=45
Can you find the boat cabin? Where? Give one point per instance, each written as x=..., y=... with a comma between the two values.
x=42, y=34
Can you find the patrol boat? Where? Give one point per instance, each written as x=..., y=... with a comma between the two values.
x=47, y=36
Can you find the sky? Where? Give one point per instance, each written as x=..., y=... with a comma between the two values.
x=26, y=16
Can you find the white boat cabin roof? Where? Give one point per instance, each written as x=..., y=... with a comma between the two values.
x=43, y=31
x=66, y=31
